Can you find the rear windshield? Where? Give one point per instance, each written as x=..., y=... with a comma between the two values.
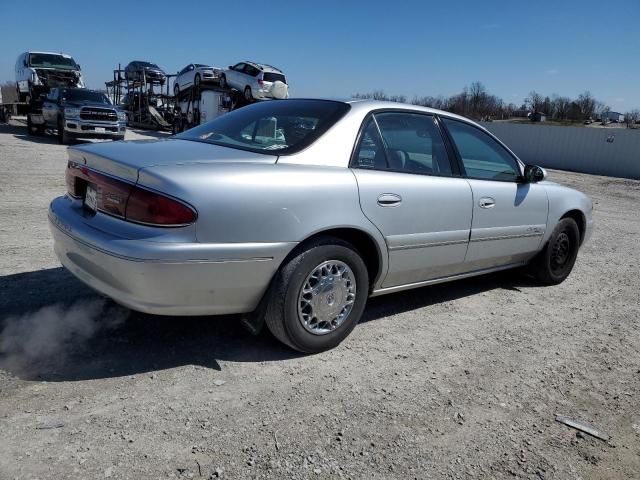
x=277, y=127
x=274, y=77
x=51, y=60
x=81, y=95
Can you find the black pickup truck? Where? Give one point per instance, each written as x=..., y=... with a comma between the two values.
x=82, y=113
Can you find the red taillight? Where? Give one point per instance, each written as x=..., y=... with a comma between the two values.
x=126, y=200
x=149, y=207
x=261, y=82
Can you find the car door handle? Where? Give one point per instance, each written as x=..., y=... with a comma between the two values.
x=389, y=200
x=487, y=202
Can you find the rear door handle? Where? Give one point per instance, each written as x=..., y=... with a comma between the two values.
x=389, y=200
x=487, y=202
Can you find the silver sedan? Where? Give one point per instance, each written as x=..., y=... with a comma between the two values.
x=296, y=211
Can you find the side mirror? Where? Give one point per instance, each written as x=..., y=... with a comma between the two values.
x=534, y=174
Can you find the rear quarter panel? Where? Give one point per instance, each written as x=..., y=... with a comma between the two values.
x=265, y=202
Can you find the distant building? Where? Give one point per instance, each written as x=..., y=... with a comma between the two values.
x=537, y=117
x=613, y=117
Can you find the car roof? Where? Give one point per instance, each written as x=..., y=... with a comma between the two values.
x=380, y=104
x=66, y=55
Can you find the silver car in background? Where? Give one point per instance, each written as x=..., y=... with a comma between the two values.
x=297, y=211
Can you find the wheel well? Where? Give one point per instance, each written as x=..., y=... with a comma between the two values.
x=363, y=243
x=578, y=216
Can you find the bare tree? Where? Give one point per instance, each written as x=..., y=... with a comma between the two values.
x=534, y=101
x=587, y=105
x=561, y=106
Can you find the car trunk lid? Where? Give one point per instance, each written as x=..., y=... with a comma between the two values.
x=125, y=159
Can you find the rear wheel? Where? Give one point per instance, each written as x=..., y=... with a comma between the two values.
x=223, y=81
x=318, y=296
x=176, y=89
x=555, y=262
x=248, y=96
x=196, y=80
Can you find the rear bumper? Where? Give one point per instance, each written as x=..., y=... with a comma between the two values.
x=164, y=278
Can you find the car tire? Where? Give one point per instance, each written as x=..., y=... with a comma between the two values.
x=197, y=80
x=63, y=136
x=248, y=96
x=291, y=312
x=176, y=90
x=223, y=81
x=119, y=137
x=554, y=263
x=32, y=129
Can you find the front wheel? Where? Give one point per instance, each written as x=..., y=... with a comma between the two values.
x=318, y=296
x=63, y=136
x=33, y=129
x=554, y=263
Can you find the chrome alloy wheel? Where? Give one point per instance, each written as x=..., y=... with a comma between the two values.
x=326, y=298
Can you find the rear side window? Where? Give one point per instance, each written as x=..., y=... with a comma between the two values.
x=403, y=142
x=413, y=143
x=481, y=155
x=370, y=152
x=274, y=77
x=251, y=70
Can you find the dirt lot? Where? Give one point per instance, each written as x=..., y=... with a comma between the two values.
x=453, y=381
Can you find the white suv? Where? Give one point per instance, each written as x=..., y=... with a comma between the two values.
x=256, y=81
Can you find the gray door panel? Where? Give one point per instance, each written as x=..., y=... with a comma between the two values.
x=427, y=230
x=509, y=229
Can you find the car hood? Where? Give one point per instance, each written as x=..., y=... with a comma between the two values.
x=87, y=104
x=126, y=159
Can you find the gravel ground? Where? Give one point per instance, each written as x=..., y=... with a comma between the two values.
x=453, y=381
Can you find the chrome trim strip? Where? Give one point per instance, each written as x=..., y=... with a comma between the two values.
x=425, y=245
x=408, y=286
x=507, y=237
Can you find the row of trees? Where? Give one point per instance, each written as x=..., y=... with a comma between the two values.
x=475, y=102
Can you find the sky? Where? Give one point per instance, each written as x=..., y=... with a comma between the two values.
x=338, y=48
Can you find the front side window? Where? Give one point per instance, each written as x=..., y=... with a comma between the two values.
x=481, y=155
x=278, y=127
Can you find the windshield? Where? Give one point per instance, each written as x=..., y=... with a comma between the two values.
x=51, y=60
x=275, y=126
x=81, y=95
x=274, y=77
x=149, y=65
